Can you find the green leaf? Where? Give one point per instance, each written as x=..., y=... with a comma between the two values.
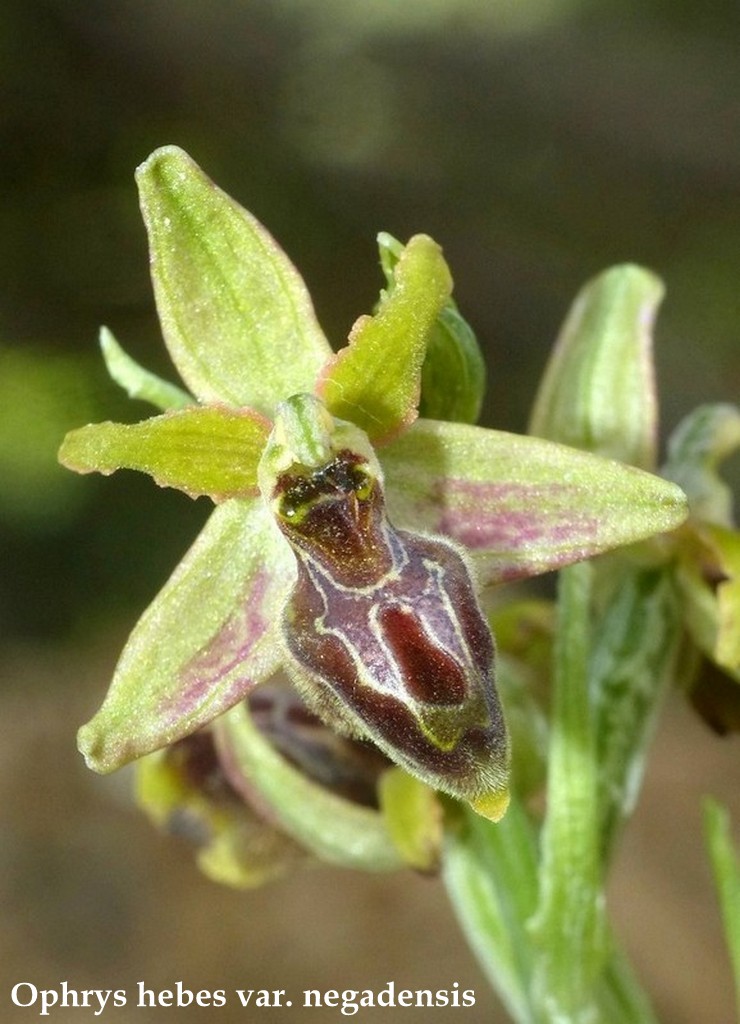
x=333, y=828
x=598, y=391
x=208, y=637
x=726, y=867
x=522, y=505
x=138, y=382
x=490, y=872
x=453, y=375
x=236, y=315
x=374, y=381
x=621, y=998
x=212, y=450
x=695, y=449
x=633, y=662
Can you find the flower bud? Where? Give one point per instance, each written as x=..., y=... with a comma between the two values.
x=598, y=391
x=383, y=628
x=184, y=790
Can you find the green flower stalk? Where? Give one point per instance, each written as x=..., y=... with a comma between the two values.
x=353, y=543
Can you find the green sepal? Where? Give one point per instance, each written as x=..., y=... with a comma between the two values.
x=334, y=829
x=138, y=382
x=375, y=380
x=453, y=375
x=413, y=815
x=598, y=391
x=233, y=846
x=521, y=505
x=390, y=251
x=201, y=450
x=236, y=315
x=695, y=450
x=207, y=638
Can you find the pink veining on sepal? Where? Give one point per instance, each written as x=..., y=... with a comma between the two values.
x=502, y=521
x=520, y=505
x=231, y=654
x=204, y=640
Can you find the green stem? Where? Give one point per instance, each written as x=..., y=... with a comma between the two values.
x=569, y=925
x=533, y=912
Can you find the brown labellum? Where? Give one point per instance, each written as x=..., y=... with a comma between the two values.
x=385, y=631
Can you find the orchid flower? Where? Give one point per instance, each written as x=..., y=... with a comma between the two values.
x=353, y=542
x=708, y=568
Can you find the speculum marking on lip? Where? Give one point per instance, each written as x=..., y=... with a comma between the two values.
x=432, y=675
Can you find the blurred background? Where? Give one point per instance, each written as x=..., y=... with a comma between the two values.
x=538, y=141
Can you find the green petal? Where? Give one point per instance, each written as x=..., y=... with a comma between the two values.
x=331, y=827
x=453, y=376
x=374, y=382
x=138, y=382
x=236, y=315
x=207, y=638
x=598, y=391
x=212, y=450
x=522, y=506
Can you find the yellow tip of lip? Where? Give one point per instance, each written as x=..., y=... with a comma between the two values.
x=492, y=805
